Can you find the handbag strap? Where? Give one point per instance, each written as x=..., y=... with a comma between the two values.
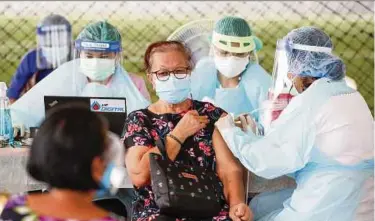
x=160, y=144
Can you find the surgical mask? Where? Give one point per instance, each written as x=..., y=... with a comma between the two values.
x=97, y=69
x=115, y=172
x=231, y=66
x=55, y=55
x=112, y=179
x=173, y=90
x=94, y=89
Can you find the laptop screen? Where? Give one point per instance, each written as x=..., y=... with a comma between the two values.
x=113, y=109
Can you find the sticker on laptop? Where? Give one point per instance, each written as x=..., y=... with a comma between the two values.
x=53, y=103
x=105, y=105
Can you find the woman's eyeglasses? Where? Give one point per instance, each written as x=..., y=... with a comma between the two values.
x=179, y=73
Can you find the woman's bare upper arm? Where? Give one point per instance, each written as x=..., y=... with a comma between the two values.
x=224, y=157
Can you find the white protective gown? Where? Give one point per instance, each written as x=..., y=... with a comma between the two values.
x=67, y=80
x=325, y=140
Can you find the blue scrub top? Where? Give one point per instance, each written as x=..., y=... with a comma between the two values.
x=26, y=69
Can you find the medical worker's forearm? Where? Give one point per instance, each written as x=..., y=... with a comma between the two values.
x=269, y=158
x=237, y=140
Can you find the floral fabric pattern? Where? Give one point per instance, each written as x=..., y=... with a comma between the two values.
x=145, y=127
x=16, y=209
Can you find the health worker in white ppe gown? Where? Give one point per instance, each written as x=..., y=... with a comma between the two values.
x=324, y=138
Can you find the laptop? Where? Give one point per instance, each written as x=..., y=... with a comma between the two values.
x=112, y=108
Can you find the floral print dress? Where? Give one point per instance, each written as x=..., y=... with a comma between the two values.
x=143, y=127
x=16, y=209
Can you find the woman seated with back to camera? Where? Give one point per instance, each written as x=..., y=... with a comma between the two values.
x=187, y=127
x=71, y=153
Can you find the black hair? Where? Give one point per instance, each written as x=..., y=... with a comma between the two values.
x=64, y=147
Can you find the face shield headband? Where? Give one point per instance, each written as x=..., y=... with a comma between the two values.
x=233, y=44
x=109, y=46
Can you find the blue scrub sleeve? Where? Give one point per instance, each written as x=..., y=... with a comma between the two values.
x=23, y=73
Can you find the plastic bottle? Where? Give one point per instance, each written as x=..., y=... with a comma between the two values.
x=6, y=129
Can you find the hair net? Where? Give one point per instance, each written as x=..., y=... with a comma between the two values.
x=54, y=19
x=310, y=63
x=236, y=27
x=100, y=32
x=233, y=26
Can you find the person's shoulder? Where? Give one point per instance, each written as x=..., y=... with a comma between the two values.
x=9, y=202
x=135, y=77
x=31, y=54
x=29, y=59
x=257, y=69
x=255, y=73
x=205, y=107
x=137, y=114
x=16, y=199
x=4, y=198
x=139, y=81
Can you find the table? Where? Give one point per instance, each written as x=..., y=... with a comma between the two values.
x=14, y=178
x=13, y=175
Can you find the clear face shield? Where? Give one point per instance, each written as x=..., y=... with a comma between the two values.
x=54, y=46
x=281, y=91
x=95, y=64
x=233, y=54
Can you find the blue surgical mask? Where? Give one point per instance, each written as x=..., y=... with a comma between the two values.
x=105, y=182
x=112, y=179
x=173, y=90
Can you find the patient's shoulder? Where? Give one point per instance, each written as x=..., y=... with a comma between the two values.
x=13, y=207
x=4, y=198
x=209, y=109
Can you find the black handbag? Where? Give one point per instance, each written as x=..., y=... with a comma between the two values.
x=182, y=190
